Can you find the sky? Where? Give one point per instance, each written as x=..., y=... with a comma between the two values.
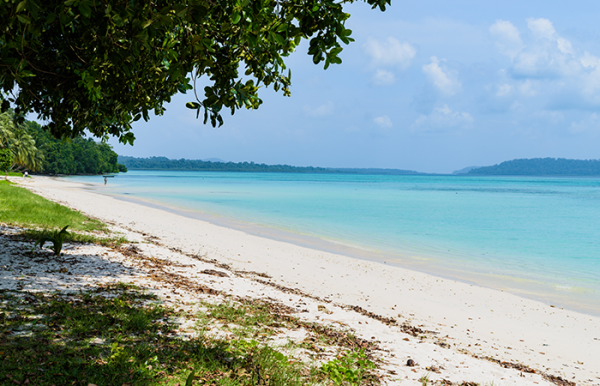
x=429, y=85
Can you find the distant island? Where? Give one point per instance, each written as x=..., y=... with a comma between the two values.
x=164, y=163
x=516, y=167
x=540, y=167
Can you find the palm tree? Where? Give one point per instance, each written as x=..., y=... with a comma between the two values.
x=6, y=129
x=26, y=156
x=24, y=151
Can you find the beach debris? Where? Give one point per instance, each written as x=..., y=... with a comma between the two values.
x=252, y=273
x=324, y=309
x=410, y=363
x=214, y=273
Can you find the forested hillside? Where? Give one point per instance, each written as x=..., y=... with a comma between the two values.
x=163, y=163
x=77, y=156
x=542, y=167
x=35, y=150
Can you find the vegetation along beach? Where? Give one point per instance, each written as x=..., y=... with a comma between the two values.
x=200, y=192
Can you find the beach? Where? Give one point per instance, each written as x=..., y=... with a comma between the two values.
x=469, y=333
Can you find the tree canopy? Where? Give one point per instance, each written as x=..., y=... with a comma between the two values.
x=542, y=167
x=163, y=163
x=27, y=147
x=100, y=65
x=16, y=139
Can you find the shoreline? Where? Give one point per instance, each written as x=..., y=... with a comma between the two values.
x=532, y=289
x=479, y=320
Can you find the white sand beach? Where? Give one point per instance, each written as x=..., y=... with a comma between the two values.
x=465, y=331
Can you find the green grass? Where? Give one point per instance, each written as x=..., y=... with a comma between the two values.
x=120, y=335
x=247, y=320
x=78, y=238
x=20, y=207
x=13, y=174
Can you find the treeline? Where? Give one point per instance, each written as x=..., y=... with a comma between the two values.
x=77, y=156
x=163, y=163
x=35, y=150
x=376, y=171
x=542, y=167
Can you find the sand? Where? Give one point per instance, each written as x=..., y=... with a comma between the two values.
x=467, y=329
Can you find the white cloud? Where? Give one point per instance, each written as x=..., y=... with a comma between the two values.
x=384, y=122
x=508, y=39
x=383, y=77
x=389, y=53
x=548, y=55
x=541, y=28
x=441, y=119
x=445, y=81
x=589, y=60
x=321, y=111
x=504, y=90
x=547, y=68
x=586, y=125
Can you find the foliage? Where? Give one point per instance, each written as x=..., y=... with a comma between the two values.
x=100, y=65
x=6, y=160
x=57, y=239
x=6, y=129
x=76, y=156
x=18, y=206
x=120, y=335
x=85, y=238
x=348, y=368
x=34, y=149
x=163, y=163
x=16, y=174
x=542, y=167
x=21, y=144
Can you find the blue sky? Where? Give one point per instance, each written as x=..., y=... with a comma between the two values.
x=432, y=86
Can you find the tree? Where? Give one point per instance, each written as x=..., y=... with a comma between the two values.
x=15, y=138
x=100, y=65
x=6, y=129
x=6, y=161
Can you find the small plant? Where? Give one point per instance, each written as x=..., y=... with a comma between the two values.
x=349, y=368
x=56, y=238
x=190, y=378
x=425, y=379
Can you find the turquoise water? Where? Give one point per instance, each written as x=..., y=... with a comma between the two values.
x=536, y=236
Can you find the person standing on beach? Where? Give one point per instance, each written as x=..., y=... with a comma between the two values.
x=105, y=179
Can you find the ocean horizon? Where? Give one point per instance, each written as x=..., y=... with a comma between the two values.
x=534, y=236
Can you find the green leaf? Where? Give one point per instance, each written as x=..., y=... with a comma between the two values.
x=21, y=6
x=85, y=10
x=190, y=378
x=278, y=38
x=147, y=23
x=24, y=19
x=26, y=74
x=236, y=17
x=51, y=17
x=335, y=51
x=193, y=105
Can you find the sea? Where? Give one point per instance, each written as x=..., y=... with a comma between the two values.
x=537, y=237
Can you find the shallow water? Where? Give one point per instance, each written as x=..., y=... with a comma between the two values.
x=535, y=236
